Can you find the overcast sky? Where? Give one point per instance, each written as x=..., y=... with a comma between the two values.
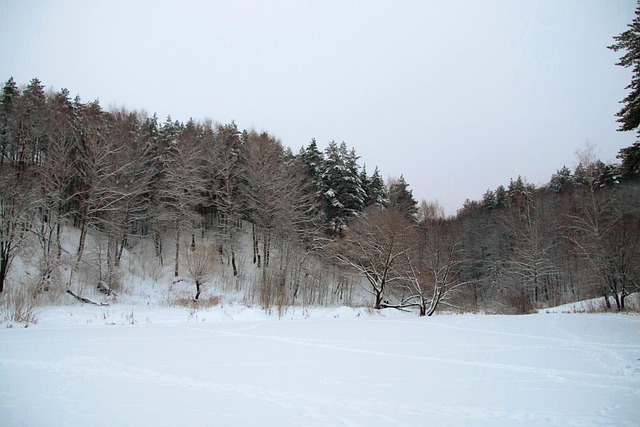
x=458, y=96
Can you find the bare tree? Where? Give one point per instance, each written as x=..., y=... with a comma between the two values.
x=599, y=230
x=225, y=172
x=94, y=167
x=55, y=176
x=431, y=268
x=200, y=265
x=529, y=262
x=375, y=245
x=279, y=206
x=15, y=215
x=131, y=180
x=184, y=186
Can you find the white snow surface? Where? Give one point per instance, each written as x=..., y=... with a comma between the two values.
x=127, y=365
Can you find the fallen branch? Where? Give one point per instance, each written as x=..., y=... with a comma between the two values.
x=86, y=300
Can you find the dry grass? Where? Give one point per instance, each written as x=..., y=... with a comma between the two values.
x=208, y=302
x=18, y=305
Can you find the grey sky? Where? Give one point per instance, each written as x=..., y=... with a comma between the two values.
x=459, y=96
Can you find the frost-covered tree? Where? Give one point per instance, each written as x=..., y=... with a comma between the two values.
x=184, y=186
x=131, y=181
x=56, y=176
x=599, y=229
x=225, y=175
x=376, y=190
x=93, y=167
x=200, y=265
x=431, y=275
x=489, y=200
x=529, y=262
x=280, y=208
x=376, y=246
x=314, y=170
x=344, y=195
x=561, y=180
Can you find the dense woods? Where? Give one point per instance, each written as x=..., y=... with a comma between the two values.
x=320, y=226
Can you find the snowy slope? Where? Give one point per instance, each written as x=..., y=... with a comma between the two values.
x=234, y=366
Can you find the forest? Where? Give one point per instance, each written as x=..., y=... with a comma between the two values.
x=320, y=226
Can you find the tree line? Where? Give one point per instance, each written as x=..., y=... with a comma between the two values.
x=127, y=176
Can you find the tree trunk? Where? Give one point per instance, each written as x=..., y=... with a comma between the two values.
x=176, y=270
x=4, y=269
x=616, y=298
x=233, y=262
x=423, y=309
x=264, y=264
x=58, y=242
x=198, y=289
x=83, y=236
x=256, y=258
x=378, y=304
x=158, y=245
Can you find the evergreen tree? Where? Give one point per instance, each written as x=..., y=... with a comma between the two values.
x=501, y=197
x=315, y=167
x=630, y=158
x=376, y=190
x=629, y=41
x=8, y=131
x=31, y=110
x=353, y=188
x=401, y=198
x=560, y=180
x=489, y=200
x=343, y=192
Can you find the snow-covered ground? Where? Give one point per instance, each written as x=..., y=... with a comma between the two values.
x=122, y=365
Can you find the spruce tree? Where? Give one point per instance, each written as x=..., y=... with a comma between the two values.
x=489, y=200
x=376, y=191
x=10, y=95
x=630, y=161
x=560, y=180
x=343, y=192
x=401, y=198
x=629, y=41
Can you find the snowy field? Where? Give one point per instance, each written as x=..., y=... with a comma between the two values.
x=234, y=366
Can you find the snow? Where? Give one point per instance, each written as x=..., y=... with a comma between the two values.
x=231, y=365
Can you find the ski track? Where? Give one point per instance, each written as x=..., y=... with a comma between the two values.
x=242, y=400
x=554, y=374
